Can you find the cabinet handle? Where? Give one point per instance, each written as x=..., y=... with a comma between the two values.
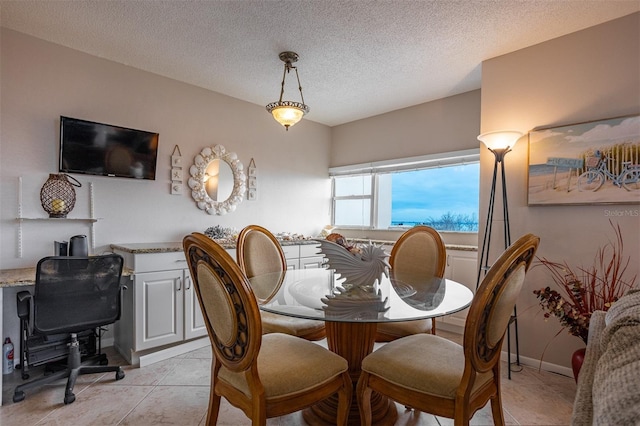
x=448, y=257
x=179, y=284
x=187, y=283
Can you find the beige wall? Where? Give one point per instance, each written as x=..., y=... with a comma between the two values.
x=588, y=75
x=448, y=124
x=41, y=81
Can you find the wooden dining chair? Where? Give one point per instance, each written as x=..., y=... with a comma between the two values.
x=434, y=375
x=418, y=256
x=259, y=254
x=263, y=375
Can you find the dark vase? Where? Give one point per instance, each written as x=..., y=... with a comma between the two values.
x=576, y=362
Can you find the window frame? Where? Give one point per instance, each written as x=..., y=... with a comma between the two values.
x=375, y=169
x=371, y=197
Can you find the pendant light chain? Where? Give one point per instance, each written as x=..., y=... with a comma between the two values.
x=299, y=85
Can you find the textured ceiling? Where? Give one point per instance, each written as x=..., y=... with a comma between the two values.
x=357, y=58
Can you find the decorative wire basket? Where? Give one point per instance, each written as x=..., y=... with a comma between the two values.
x=57, y=195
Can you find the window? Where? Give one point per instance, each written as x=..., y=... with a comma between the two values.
x=352, y=200
x=441, y=191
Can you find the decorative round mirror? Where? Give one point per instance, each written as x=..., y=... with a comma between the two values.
x=217, y=181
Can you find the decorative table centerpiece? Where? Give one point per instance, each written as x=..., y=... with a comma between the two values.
x=361, y=266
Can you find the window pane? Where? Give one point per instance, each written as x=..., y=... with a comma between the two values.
x=445, y=198
x=352, y=212
x=352, y=185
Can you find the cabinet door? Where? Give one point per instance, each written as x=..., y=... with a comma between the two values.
x=462, y=268
x=293, y=263
x=159, y=309
x=311, y=262
x=193, y=320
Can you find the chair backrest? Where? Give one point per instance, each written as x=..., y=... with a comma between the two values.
x=259, y=254
x=74, y=294
x=494, y=304
x=228, y=305
x=418, y=253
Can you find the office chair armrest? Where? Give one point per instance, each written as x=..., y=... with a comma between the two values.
x=23, y=300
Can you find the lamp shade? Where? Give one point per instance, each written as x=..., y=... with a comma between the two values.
x=287, y=115
x=501, y=139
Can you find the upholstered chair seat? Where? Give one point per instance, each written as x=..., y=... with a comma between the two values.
x=287, y=365
x=440, y=376
x=274, y=323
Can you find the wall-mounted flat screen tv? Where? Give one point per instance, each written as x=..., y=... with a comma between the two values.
x=100, y=149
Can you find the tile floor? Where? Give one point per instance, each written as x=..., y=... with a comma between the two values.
x=176, y=391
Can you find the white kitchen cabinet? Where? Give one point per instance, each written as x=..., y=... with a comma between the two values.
x=292, y=256
x=159, y=307
x=169, y=311
x=310, y=256
x=461, y=267
x=303, y=256
x=193, y=320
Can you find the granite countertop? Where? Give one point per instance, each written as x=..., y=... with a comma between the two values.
x=459, y=247
x=143, y=248
x=17, y=277
x=27, y=276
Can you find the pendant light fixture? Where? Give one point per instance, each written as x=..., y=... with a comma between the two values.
x=288, y=113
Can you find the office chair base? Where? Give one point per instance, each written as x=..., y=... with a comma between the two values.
x=73, y=370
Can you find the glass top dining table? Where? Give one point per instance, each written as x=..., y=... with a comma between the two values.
x=322, y=294
x=351, y=314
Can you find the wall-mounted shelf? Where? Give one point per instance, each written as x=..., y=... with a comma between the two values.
x=89, y=220
x=56, y=219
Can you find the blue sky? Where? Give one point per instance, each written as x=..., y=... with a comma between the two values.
x=420, y=194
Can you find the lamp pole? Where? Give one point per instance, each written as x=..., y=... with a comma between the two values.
x=499, y=154
x=499, y=143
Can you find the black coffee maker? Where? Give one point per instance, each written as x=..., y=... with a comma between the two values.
x=77, y=246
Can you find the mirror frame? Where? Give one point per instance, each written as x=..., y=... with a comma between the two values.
x=197, y=182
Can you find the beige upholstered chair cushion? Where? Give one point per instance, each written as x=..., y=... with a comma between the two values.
x=275, y=323
x=261, y=255
x=215, y=297
x=404, y=328
x=499, y=319
x=288, y=364
x=410, y=264
x=423, y=362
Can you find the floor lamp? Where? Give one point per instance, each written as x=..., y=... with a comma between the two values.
x=499, y=143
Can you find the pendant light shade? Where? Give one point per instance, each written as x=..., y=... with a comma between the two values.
x=288, y=113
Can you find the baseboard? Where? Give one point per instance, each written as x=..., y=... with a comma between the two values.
x=529, y=362
x=535, y=363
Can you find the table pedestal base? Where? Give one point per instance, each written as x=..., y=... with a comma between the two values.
x=352, y=341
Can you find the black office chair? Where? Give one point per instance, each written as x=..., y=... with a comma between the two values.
x=73, y=295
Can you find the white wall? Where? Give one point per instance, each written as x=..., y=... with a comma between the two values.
x=41, y=81
x=588, y=75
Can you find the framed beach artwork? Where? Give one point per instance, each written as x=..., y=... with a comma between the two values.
x=597, y=162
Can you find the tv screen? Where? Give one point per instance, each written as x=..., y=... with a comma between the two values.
x=101, y=149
